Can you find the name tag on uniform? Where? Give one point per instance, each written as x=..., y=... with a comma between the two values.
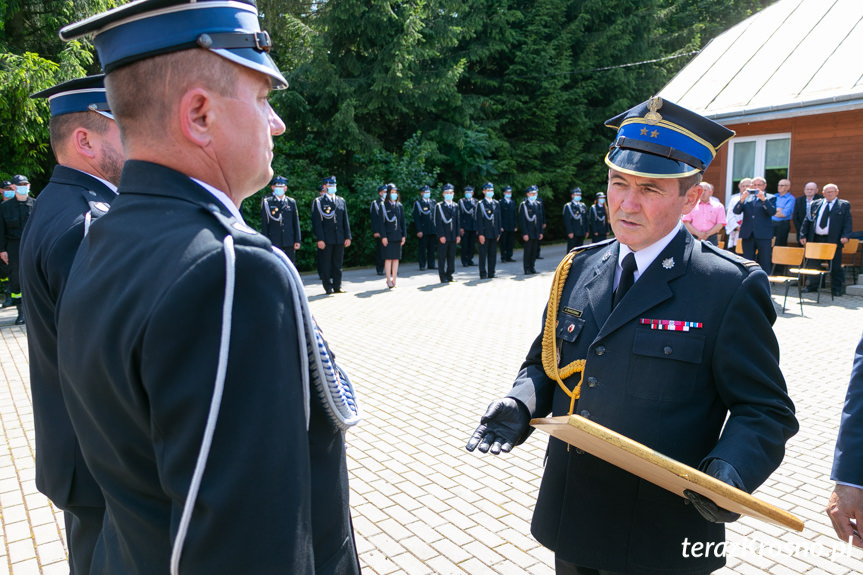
x=572, y=312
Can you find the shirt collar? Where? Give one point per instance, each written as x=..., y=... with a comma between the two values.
x=222, y=197
x=645, y=257
x=108, y=184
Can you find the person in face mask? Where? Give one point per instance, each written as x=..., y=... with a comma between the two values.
x=467, y=226
x=423, y=213
x=530, y=224
x=597, y=219
x=8, y=190
x=376, y=222
x=575, y=220
x=488, y=229
x=14, y=214
x=508, y=222
x=280, y=219
x=446, y=221
x=394, y=233
x=333, y=234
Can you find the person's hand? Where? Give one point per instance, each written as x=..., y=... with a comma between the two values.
x=377, y=235
x=540, y=236
x=761, y=195
x=843, y=240
x=384, y=242
x=481, y=240
x=347, y=243
x=321, y=245
x=503, y=426
x=845, y=510
x=419, y=234
x=726, y=473
x=403, y=240
x=743, y=195
x=442, y=240
x=570, y=236
x=458, y=239
x=5, y=257
x=802, y=241
x=461, y=231
x=298, y=245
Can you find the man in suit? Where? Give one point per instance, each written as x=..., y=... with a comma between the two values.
x=756, y=229
x=845, y=508
x=446, y=221
x=332, y=231
x=467, y=226
x=803, y=205
x=575, y=220
x=597, y=219
x=508, y=221
x=530, y=224
x=13, y=217
x=215, y=454
x=488, y=228
x=86, y=144
x=829, y=222
x=424, y=221
x=655, y=365
x=280, y=219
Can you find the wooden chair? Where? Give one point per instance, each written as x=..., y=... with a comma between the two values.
x=738, y=247
x=851, y=248
x=814, y=257
x=786, y=256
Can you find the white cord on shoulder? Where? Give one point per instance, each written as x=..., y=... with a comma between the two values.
x=88, y=218
x=215, y=404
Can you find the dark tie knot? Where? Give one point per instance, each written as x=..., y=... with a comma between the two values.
x=627, y=277
x=628, y=264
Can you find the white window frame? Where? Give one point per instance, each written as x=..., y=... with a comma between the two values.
x=760, y=155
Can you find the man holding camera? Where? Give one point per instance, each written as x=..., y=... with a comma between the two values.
x=756, y=229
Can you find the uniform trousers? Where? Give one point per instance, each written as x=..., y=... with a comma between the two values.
x=467, y=243
x=330, y=264
x=574, y=242
x=379, y=256
x=780, y=232
x=562, y=567
x=289, y=251
x=506, y=243
x=487, y=253
x=764, y=249
x=426, y=251
x=445, y=261
x=83, y=527
x=531, y=250
x=12, y=249
x=597, y=238
x=837, y=274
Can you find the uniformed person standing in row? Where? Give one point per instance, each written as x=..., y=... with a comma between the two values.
x=376, y=224
x=508, y=221
x=280, y=219
x=8, y=193
x=530, y=224
x=333, y=233
x=13, y=216
x=182, y=332
x=446, y=221
x=631, y=343
x=575, y=220
x=467, y=226
x=543, y=223
x=393, y=235
x=423, y=214
x=488, y=228
x=86, y=143
x=597, y=219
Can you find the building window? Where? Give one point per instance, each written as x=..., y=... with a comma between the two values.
x=766, y=156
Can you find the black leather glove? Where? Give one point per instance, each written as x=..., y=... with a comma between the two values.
x=505, y=424
x=726, y=473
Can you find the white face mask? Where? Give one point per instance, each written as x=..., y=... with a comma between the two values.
x=22, y=190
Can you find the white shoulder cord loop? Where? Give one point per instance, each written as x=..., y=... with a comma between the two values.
x=215, y=404
x=88, y=218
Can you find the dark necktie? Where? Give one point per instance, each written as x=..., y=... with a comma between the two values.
x=627, y=277
x=825, y=216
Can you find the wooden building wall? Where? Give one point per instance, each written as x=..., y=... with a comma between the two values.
x=825, y=148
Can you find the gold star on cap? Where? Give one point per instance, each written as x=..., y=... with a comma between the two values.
x=654, y=134
x=643, y=131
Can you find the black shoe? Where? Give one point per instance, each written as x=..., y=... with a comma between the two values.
x=483, y=276
x=432, y=267
x=328, y=291
x=540, y=258
x=380, y=272
x=422, y=268
x=491, y=276
x=9, y=302
x=19, y=320
x=339, y=290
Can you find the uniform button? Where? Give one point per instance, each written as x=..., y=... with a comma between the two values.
x=667, y=350
x=591, y=381
x=579, y=451
x=600, y=349
x=585, y=414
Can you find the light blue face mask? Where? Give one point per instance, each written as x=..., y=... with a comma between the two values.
x=489, y=195
x=448, y=197
x=468, y=195
x=394, y=196
x=279, y=190
x=507, y=195
x=331, y=190
x=22, y=190
x=531, y=199
x=601, y=201
x=426, y=195
x=8, y=194
x=576, y=198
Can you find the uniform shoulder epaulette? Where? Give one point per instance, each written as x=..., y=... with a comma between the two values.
x=748, y=265
x=242, y=233
x=579, y=249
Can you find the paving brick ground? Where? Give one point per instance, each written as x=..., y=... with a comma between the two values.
x=427, y=359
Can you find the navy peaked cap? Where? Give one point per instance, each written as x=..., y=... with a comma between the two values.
x=659, y=139
x=329, y=180
x=79, y=95
x=447, y=187
x=146, y=28
x=279, y=180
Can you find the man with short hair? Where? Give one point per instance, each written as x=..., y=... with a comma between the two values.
x=198, y=391
x=803, y=205
x=784, y=212
x=629, y=342
x=756, y=228
x=530, y=224
x=86, y=143
x=575, y=220
x=332, y=231
x=280, y=219
x=8, y=193
x=467, y=226
x=509, y=224
x=423, y=216
x=597, y=219
x=488, y=228
x=707, y=217
x=13, y=217
x=829, y=222
x=446, y=221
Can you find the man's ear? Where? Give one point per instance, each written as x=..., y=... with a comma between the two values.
x=82, y=144
x=196, y=116
x=691, y=197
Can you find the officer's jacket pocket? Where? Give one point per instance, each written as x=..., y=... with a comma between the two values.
x=568, y=327
x=664, y=365
x=681, y=346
